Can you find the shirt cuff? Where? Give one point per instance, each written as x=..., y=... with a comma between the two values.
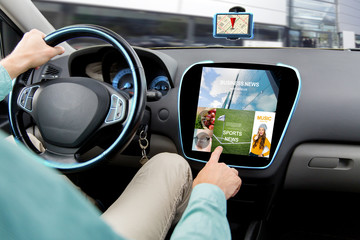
x=5, y=83
x=211, y=193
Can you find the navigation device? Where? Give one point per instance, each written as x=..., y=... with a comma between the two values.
x=233, y=25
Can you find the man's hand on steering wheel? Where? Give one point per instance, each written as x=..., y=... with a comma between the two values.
x=31, y=52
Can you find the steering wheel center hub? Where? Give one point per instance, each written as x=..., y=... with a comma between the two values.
x=67, y=112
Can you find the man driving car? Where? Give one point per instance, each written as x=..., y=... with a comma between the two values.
x=37, y=203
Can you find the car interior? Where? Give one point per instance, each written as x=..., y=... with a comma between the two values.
x=121, y=104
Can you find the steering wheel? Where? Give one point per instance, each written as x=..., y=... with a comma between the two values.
x=74, y=112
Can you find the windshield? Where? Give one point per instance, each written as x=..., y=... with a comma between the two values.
x=180, y=23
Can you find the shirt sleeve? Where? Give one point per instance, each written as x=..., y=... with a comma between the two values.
x=205, y=216
x=5, y=83
x=37, y=203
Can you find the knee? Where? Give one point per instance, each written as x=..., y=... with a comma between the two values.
x=171, y=162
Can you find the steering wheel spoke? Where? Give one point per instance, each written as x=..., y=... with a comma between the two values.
x=117, y=110
x=25, y=99
x=60, y=159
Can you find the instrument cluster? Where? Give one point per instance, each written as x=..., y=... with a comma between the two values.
x=114, y=70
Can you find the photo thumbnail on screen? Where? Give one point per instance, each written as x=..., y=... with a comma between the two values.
x=236, y=110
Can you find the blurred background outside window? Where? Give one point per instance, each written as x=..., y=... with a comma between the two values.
x=182, y=23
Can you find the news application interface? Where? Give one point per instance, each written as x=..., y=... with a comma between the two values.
x=236, y=110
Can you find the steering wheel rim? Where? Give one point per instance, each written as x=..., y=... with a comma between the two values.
x=135, y=110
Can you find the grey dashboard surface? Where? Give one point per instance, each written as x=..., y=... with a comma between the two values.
x=326, y=112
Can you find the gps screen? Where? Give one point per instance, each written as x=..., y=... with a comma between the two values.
x=236, y=110
x=232, y=24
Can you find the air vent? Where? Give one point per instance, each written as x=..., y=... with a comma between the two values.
x=50, y=72
x=26, y=76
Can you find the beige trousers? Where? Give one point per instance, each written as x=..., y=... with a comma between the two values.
x=154, y=199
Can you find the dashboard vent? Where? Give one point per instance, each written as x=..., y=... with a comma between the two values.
x=50, y=72
x=26, y=76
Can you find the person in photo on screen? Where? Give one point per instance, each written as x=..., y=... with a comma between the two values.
x=260, y=142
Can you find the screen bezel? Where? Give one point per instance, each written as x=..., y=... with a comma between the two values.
x=248, y=35
x=188, y=103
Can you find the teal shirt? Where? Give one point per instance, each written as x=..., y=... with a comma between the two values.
x=5, y=83
x=205, y=215
x=36, y=203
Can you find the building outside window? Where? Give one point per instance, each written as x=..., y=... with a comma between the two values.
x=313, y=23
x=357, y=41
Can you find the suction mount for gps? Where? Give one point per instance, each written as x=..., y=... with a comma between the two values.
x=237, y=9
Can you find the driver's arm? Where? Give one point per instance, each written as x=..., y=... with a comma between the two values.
x=31, y=52
x=5, y=83
x=205, y=215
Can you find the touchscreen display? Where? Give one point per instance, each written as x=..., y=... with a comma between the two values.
x=232, y=24
x=236, y=109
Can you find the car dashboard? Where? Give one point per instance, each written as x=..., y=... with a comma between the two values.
x=316, y=140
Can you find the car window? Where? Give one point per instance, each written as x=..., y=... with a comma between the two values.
x=150, y=28
x=9, y=37
x=291, y=23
